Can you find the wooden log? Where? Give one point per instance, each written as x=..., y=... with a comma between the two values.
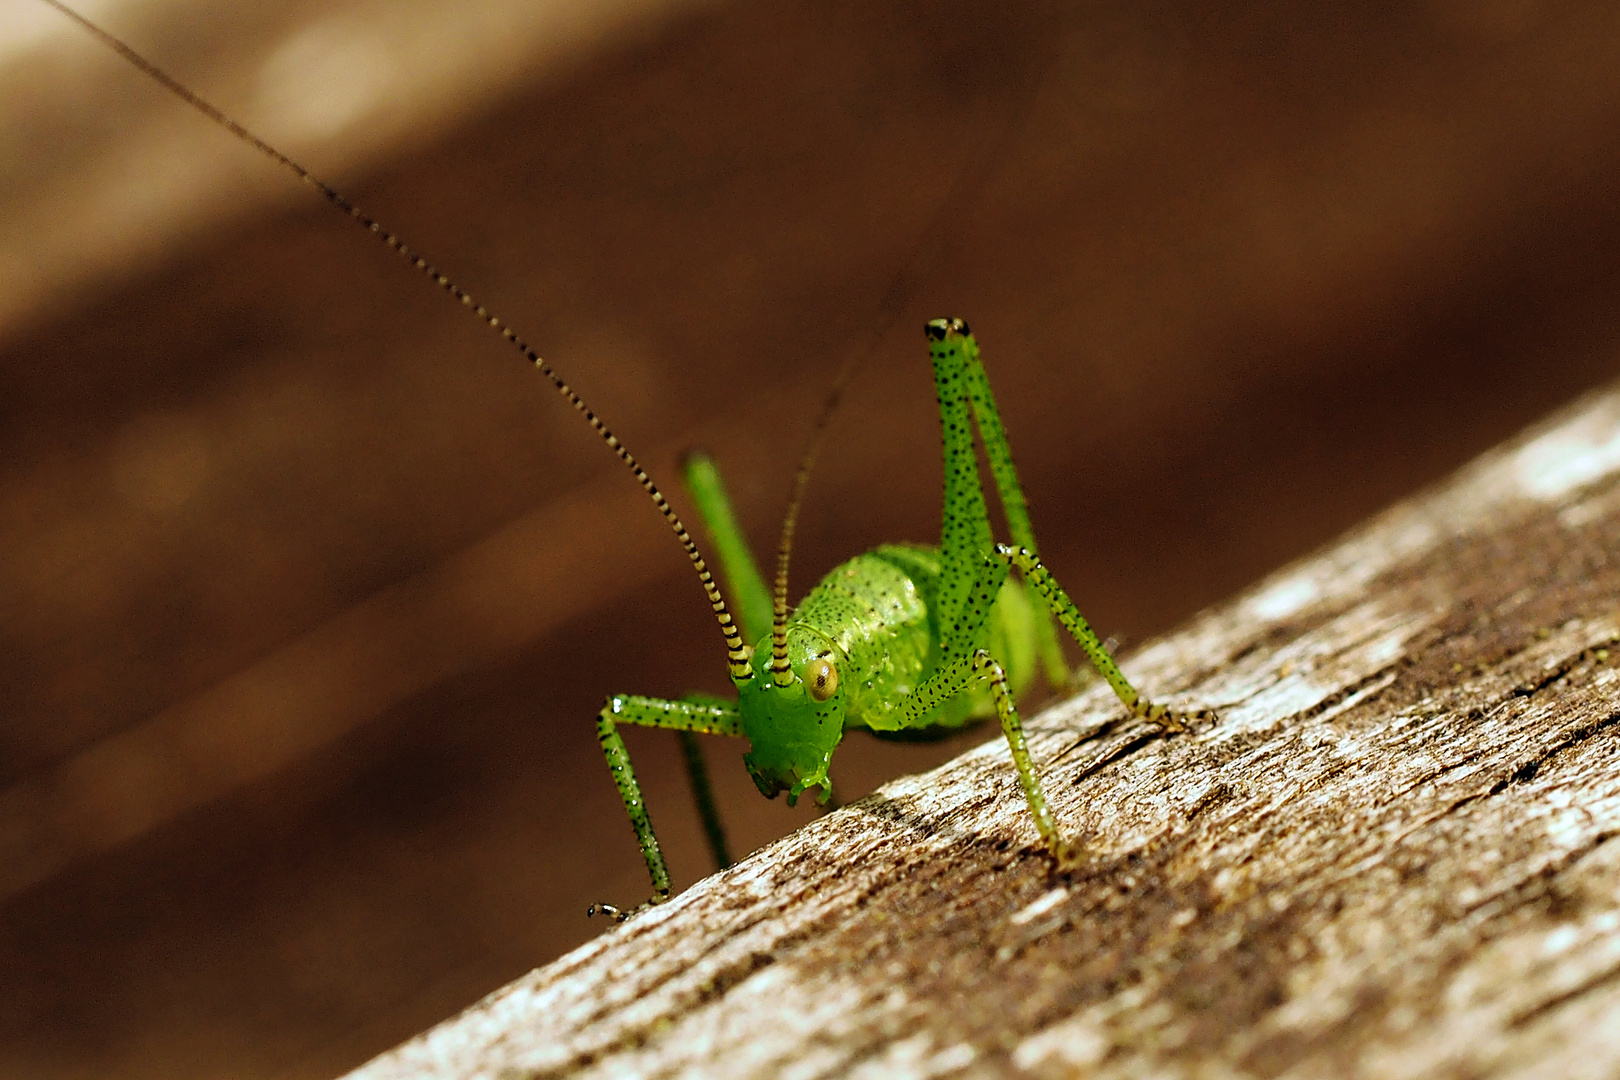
x=1392, y=856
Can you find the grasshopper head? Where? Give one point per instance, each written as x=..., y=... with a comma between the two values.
x=793, y=728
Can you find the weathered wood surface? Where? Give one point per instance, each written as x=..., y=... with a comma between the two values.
x=1392, y=856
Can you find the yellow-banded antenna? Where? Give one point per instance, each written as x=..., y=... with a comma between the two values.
x=736, y=652
x=780, y=671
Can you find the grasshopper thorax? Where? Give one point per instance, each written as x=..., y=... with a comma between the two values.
x=793, y=728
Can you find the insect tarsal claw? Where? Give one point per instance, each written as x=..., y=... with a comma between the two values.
x=619, y=914
x=1069, y=855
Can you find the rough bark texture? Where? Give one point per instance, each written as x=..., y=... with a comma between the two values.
x=1391, y=856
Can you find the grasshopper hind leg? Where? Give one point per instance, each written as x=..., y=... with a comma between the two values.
x=973, y=567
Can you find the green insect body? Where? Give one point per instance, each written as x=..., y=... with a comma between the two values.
x=904, y=639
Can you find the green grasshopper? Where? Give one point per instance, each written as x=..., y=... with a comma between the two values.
x=905, y=640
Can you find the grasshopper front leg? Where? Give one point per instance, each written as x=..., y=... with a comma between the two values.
x=702, y=716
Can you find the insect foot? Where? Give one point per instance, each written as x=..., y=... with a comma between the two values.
x=1068, y=855
x=618, y=914
x=1174, y=720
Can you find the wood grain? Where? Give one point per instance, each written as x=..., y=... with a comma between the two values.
x=1390, y=857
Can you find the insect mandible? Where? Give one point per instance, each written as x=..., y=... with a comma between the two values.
x=905, y=639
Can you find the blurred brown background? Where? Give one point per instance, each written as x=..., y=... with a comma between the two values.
x=310, y=590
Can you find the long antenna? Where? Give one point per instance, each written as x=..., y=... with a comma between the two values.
x=736, y=651
x=781, y=672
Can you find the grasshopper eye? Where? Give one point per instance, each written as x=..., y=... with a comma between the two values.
x=821, y=678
